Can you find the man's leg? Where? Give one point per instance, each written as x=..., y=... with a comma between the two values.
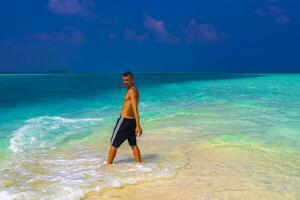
x=136, y=153
x=111, y=154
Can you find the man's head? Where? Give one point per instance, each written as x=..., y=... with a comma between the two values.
x=127, y=78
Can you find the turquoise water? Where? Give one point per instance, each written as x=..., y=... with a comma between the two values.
x=51, y=126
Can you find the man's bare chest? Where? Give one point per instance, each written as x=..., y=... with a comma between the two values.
x=127, y=97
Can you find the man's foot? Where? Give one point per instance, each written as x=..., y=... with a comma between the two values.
x=105, y=162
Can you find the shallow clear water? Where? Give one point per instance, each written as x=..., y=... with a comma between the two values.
x=55, y=129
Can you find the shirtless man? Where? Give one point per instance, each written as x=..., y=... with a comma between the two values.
x=128, y=124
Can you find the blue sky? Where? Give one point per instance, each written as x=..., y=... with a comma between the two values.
x=150, y=36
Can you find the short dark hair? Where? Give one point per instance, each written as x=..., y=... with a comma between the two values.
x=128, y=73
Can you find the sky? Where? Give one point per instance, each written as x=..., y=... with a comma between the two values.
x=251, y=36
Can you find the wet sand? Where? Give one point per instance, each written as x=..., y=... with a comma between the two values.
x=211, y=172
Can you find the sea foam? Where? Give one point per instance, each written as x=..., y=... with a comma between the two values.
x=47, y=131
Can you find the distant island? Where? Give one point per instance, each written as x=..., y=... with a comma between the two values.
x=55, y=71
x=59, y=71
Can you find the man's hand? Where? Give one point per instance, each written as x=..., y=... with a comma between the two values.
x=138, y=131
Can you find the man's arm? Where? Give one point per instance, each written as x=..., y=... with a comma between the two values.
x=134, y=102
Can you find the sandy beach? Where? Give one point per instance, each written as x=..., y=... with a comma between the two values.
x=211, y=172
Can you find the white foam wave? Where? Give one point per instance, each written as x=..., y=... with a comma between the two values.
x=68, y=178
x=47, y=131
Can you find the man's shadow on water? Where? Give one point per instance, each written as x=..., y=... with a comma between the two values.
x=145, y=158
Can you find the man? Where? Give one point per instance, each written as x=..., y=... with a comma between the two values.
x=128, y=124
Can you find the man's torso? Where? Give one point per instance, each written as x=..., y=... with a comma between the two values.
x=127, y=109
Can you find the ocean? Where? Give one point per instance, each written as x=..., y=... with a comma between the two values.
x=55, y=129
